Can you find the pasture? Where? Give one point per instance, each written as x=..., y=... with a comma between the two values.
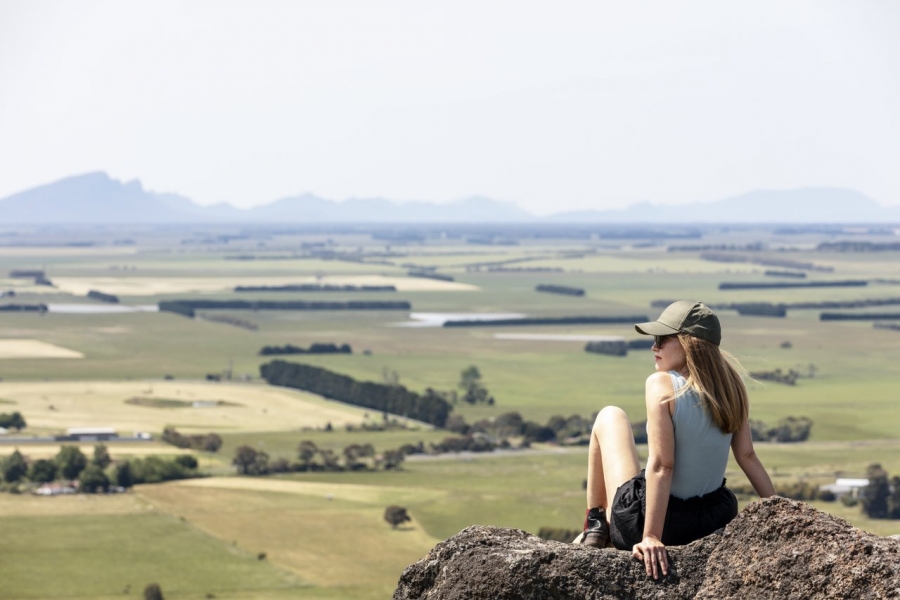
x=323, y=533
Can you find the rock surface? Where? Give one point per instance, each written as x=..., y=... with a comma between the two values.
x=775, y=548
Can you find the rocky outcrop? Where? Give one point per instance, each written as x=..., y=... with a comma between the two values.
x=775, y=548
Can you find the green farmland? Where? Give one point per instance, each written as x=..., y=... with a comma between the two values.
x=322, y=535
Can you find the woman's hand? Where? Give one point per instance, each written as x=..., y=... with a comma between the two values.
x=653, y=553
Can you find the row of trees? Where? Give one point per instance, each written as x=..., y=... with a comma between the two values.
x=315, y=348
x=618, y=347
x=188, y=308
x=315, y=287
x=395, y=399
x=788, y=377
x=354, y=457
x=579, y=320
x=559, y=289
x=97, y=473
x=788, y=429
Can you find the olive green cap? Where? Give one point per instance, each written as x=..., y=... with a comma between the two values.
x=685, y=316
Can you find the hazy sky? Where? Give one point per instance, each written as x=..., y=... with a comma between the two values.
x=553, y=105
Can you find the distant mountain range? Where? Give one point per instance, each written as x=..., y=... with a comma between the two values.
x=95, y=198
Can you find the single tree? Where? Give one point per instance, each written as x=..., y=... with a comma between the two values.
x=42, y=471
x=71, y=461
x=14, y=467
x=307, y=451
x=101, y=456
x=244, y=459
x=396, y=515
x=186, y=461
x=875, y=495
x=124, y=475
x=212, y=442
x=392, y=459
x=473, y=391
x=153, y=592
x=92, y=479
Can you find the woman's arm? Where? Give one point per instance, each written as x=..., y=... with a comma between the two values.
x=748, y=461
x=660, y=465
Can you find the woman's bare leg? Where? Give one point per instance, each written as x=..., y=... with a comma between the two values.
x=612, y=456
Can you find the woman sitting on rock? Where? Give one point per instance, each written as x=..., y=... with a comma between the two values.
x=696, y=409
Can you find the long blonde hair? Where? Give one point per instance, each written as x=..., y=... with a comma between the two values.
x=715, y=376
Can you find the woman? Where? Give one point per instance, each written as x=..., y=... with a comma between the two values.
x=696, y=408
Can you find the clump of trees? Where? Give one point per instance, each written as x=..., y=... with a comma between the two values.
x=788, y=377
x=618, y=347
x=880, y=499
x=560, y=289
x=13, y=421
x=473, y=390
x=396, y=516
x=209, y=442
x=95, y=474
x=102, y=297
x=310, y=457
x=788, y=429
x=315, y=348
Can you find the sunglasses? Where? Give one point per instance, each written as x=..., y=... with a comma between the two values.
x=659, y=340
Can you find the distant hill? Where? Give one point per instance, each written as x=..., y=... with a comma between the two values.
x=804, y=205
x=95, y=198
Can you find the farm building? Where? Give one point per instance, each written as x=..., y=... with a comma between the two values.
x=845, y=486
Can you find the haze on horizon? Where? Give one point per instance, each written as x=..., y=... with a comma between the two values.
x=572, y=106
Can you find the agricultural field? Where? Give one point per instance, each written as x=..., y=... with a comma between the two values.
x=130, y=367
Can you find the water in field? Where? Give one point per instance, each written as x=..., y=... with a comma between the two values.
x=438, y=319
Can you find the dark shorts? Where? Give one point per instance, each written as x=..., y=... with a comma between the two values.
x=686, y=520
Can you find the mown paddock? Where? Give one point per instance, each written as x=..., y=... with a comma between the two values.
x=58, y=405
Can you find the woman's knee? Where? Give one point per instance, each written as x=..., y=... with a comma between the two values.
x=609, y=415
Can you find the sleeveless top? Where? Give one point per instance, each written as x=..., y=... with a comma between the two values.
x=701, y=449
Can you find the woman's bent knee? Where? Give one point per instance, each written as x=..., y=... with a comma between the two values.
x=610, y=414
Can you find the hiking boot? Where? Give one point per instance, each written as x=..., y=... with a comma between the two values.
x=596, y=529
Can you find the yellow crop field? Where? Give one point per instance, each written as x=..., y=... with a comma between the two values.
x=130, y=406
x=34, y=349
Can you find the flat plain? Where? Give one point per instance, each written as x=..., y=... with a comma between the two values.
x=322, y=533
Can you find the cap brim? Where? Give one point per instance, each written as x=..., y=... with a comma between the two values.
x=654, y=328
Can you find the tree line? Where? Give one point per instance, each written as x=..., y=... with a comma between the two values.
x=354, y=457
x=188, y=308
x=315, y=348
x=788, y=429
x=759, y=285
x=578, y=320
x=617, y=347
x=559, y=289
x=95, y=474
x=832, y=316
x=394, y=399
x=315, y=287
x=102, y=297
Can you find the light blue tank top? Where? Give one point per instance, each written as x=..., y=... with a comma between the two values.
x=701, y=449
